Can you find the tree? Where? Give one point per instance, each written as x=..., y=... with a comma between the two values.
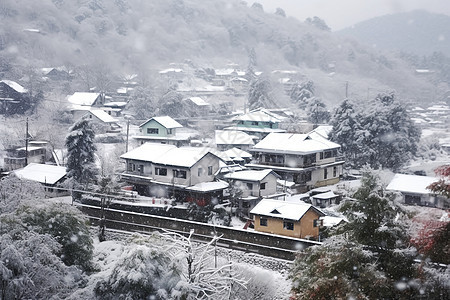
x=206, y=277
x=171, y=104
x=69, y=228
x=317, y=111
x=81, y=149
x=280, y=12
x=442, y=186
x=143, y=271
x=302, y=92
x=345, y=124
x=370, y=250
x=383, y=137
x=259, y=94
x=142, y=103
x=318, y=23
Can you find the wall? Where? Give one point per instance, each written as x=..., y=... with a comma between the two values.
x=207, y=160
x=162, y=131
x=302, y=229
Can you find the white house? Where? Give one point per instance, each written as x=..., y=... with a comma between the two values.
x=164, y=130
x=48, y=175
x=252, y=185
x=308, y=160
x=185, y=173
x=103, y=122
x=227, y=139
x=415, y=192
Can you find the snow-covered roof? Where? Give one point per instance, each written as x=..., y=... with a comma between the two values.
x=236, y=152
x=15, y=86
x=208, y=186
x=295, y=143
x=325, y=196
x=255, y=129
x=171, y=70
x=323, y=130
x=411, y=183
x=115, y=104
x=260, y=115
x=165, y=121
x=329, y=221
x=239, y=79
x=282, y=209
x=198, y=101
x=81, y=98
x=167, y=154
x=102, y=116
x=249, y=175
x=41, y=173
x=233, y=137
x=224, y=72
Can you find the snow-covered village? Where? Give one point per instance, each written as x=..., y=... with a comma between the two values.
x=229, y=150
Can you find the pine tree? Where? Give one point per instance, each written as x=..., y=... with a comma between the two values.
x=259, y=94
x=81, y=149
x=345, y=127
x=302, y=92
x=317, y=111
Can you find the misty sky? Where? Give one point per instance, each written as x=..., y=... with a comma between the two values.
x=339, y=14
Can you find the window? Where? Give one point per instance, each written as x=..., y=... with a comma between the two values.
x=210, y=170
x=131, y=167
x=169, y=130
x=200, y=172
x=179, y=174
x=262, y=221
x=288, y=225
x=240, y=122
x=325, y=173
x=245, y=204
x=328, y=154
x=263, y=186
x=141, y=168
x=255, y=123
x=250, y=186
x=321, y=155
x=334, y=171
x=152, y=130
x=161, y=171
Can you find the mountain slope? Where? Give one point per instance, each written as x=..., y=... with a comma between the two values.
x=141, y=36
x=417, y=32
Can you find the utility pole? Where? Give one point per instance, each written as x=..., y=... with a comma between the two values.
x=26, y=144
x=128, y=131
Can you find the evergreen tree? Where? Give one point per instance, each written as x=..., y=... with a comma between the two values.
x=382, y=135
x=345, y=124
x=81, y=149
x=171, y=104
x=302, y=92
x=317, y=111
x=259, y=94
x=369, y=258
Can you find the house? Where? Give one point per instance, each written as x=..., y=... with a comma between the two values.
x=56, y=74
x=252, y=186
x=79, y=103
x=326, y=199
x=294, y=219
x=19, y=157
x=259, y=122
x=308, y=160
x=239, y=156
x=164, y=130
x=413, y=189
x=13, y=98
x=102, y=121
x=184, y=173
x=48, y=175
x=227, y=139
x=197, y=107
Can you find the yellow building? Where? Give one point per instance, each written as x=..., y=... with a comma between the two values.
x=299, y=220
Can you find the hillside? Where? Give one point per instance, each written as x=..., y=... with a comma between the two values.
x=136, y=36
x=418, y=32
